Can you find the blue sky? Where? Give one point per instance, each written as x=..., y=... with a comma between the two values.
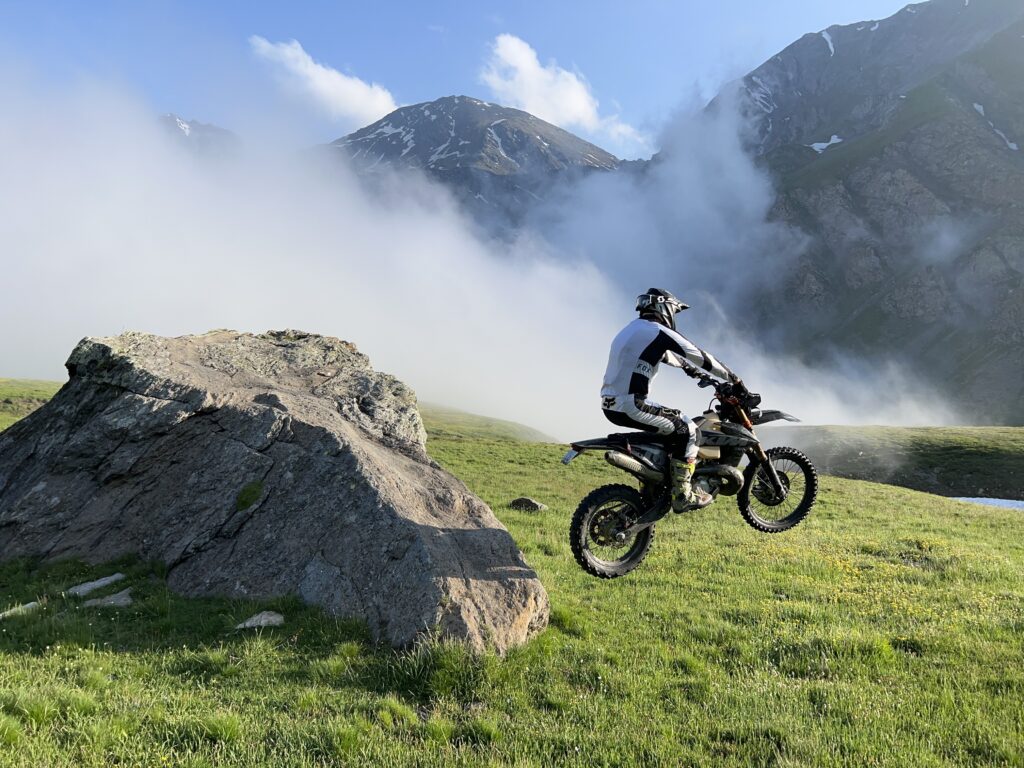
x=633, y=64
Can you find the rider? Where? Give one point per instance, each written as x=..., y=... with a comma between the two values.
x=632, y=364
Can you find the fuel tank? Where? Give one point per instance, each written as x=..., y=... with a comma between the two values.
x=715, y=433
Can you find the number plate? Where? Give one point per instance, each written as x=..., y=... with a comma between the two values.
x=571, y=454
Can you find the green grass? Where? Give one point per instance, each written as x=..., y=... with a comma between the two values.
x=888, y=629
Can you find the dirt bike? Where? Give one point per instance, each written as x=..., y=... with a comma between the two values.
x=613, y=527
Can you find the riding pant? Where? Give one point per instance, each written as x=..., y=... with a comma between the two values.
x=637, y=412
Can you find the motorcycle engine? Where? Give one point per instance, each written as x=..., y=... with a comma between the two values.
x=724, y=479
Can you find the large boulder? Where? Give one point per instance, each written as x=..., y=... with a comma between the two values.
x=258, y=466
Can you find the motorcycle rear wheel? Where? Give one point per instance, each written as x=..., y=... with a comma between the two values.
x=602, y=514
x=757, y=501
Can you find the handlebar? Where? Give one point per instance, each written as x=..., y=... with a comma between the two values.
x=723, y=389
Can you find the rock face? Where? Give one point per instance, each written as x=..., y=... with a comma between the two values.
x=258, y=466
x=915, y=220
x=847, y=81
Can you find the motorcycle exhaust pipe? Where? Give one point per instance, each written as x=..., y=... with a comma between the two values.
x=634, y=467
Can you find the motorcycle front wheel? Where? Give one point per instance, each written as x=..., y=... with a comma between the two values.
x=762, y=508
x=597, y=536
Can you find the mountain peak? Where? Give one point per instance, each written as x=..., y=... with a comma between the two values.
x=202, y=137
x=497, y=160
x=463, y=132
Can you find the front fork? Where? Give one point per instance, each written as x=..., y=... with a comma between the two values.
x=759, y=453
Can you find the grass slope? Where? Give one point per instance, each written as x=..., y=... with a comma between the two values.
x=19, y=397
x=887, y=629
x=951, y=461
x=443, y=422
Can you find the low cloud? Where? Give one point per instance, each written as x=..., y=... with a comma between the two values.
x=517, y=330
x=259, y=241
x=345, y=98
x=697, y=221
x=516, y=78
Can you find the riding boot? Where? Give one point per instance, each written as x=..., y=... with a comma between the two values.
x=684, y=495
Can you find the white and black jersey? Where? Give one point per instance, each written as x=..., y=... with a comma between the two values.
x=637, y=352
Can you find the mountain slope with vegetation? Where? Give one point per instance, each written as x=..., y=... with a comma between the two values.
x=896, y=146
x=860, y=637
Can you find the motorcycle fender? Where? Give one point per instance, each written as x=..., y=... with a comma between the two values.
x=765, y=416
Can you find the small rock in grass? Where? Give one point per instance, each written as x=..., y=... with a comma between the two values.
x=121, y=600
x=81, y=590
x=18, y=610
x=526, y=504
x=262, y=619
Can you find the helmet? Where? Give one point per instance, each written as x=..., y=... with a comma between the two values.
x=659, y=305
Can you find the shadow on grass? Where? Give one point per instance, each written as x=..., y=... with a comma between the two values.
x=197, y=639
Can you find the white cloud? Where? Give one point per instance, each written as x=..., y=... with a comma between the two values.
x=262, y=239
x=345, y=98
x=518, y=79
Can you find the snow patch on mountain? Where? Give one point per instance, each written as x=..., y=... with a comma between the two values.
x=762, y=95
x=1009, y=144
x=821, y=146
x=828, y=39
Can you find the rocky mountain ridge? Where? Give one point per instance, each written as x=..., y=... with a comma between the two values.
x=916, y=217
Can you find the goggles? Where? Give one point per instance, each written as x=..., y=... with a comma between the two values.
x=647, y=301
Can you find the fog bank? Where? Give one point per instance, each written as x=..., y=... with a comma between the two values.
x=109, y=224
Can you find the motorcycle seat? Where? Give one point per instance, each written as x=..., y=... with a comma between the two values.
x=639, y=438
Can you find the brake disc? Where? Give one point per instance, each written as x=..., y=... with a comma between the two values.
x=763, y=491
x=606, y=526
